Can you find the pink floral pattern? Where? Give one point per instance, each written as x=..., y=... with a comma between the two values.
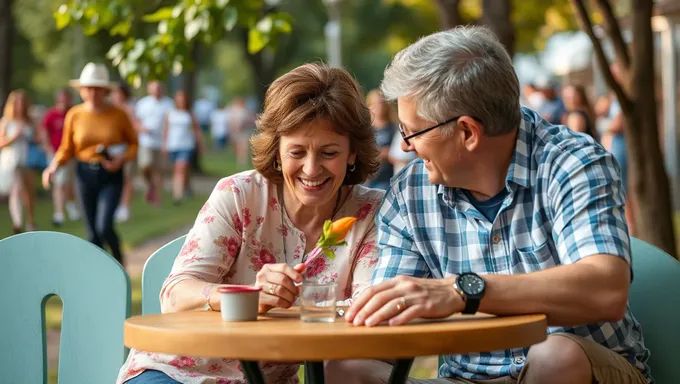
x=239, y=230
x=364, y=211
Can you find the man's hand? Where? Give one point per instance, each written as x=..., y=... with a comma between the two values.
x=403, y=299
x=113, y=165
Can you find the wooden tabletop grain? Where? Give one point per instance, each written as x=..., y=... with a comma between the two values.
x=280, y=336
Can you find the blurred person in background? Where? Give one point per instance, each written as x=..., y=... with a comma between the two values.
x=219, y=127
x=181, y=139
x=151, y=111
x=580, y=116
x=17, y=132
x=241, y=125
x=101, y=138
x=614, y=141
x=203, y=108
x=120, y=97
x=552, y=108
x=384, y=133
x=63, y=194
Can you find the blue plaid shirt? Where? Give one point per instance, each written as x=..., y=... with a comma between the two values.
x=565, y=202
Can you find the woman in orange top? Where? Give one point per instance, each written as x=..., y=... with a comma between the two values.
x=101, y=138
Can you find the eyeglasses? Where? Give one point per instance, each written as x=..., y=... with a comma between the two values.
x=426, y=130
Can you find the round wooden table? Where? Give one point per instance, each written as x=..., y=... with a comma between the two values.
x=281, y=336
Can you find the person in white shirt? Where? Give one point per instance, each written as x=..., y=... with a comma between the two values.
x=242, y=125
x=203, y=108
x=151, y=111
x=181, y=137
x=219, y=127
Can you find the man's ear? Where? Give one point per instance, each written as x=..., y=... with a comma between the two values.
x=471, y=131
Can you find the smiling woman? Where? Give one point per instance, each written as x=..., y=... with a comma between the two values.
x=313, y=148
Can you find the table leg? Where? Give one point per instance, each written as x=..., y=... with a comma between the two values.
x=314, y=373
x=253, y=372
x=400, y=371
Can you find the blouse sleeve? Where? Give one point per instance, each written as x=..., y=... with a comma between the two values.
x=363, y=265
x=213, y=243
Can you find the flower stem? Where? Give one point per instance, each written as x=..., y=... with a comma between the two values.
x=313, y=255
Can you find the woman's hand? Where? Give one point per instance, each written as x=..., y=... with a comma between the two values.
x=47, y=176
x=278, y=285
x=114, y=164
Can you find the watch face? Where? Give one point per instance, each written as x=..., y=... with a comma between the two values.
x=471, y=284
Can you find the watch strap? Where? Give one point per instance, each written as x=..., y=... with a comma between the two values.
x=471, y=305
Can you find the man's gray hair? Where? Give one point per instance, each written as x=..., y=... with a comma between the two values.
x=464, y=71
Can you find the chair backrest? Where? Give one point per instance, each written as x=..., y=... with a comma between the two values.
x=156, y=270
x=655, y=302
x=95, y=291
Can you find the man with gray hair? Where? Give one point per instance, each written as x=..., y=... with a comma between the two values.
x=502, y=213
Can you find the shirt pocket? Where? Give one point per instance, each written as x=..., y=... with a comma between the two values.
x=534, y=258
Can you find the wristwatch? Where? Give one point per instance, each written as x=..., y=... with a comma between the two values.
x=471, y=287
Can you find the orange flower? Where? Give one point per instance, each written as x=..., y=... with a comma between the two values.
x=339, y=228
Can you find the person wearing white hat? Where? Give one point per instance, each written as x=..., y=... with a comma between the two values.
x=101, y=138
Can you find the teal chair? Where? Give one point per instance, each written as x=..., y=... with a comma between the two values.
x=95, y=291
x=655, y=302
x=156, y=270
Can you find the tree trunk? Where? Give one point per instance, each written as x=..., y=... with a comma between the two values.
x=648, y=179
x=6, y=36
x=496, y=15
x=189, y=87
x=449, y=15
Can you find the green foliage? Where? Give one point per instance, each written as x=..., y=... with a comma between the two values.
x=178, y=27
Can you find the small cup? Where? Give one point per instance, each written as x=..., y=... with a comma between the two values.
x=317, y=302
x=239, y=302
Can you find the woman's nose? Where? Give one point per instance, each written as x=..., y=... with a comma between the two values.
x=312, y=166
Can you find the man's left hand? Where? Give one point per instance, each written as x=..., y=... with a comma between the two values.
x=402, y=299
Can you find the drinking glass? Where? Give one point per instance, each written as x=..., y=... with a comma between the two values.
x=317, y=302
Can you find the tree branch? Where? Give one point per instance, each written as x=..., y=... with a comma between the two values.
x=587, y=26
x=449, y=15
x=614, y=32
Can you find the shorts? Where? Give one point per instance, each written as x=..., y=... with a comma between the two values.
x=149, y=158
x=182, y=155
x=608, y=367
x=63, y=175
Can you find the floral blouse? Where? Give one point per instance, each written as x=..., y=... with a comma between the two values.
x=240, y=229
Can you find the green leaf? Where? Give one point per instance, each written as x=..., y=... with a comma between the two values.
x=122, y=28
x=115, y=51
x=265, y=25
x=230, y=18
x=329, y=253
x=222, y=3
x=160, y=15
x=62, y=17
x=192, y=28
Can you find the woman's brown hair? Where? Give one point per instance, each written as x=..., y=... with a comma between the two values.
x=308, y=93
x=10, y=112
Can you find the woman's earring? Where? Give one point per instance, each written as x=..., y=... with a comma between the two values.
x=352, y=167
x=277, y=166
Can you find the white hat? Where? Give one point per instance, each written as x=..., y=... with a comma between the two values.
x=93, y=75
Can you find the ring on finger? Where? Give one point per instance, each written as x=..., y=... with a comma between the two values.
x=402, y=304
x=272, y=287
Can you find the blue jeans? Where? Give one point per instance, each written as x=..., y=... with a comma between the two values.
x=100, y=192
x=151, y=376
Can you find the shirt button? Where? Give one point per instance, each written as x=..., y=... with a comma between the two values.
x=519, y=360
x=496, y=239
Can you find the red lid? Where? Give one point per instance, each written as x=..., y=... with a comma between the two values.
x=238, y=289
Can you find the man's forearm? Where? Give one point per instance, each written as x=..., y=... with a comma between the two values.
x=586, y=292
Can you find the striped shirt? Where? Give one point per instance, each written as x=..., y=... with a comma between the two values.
x=565, y=202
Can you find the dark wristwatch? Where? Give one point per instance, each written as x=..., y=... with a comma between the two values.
x=471, y=286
